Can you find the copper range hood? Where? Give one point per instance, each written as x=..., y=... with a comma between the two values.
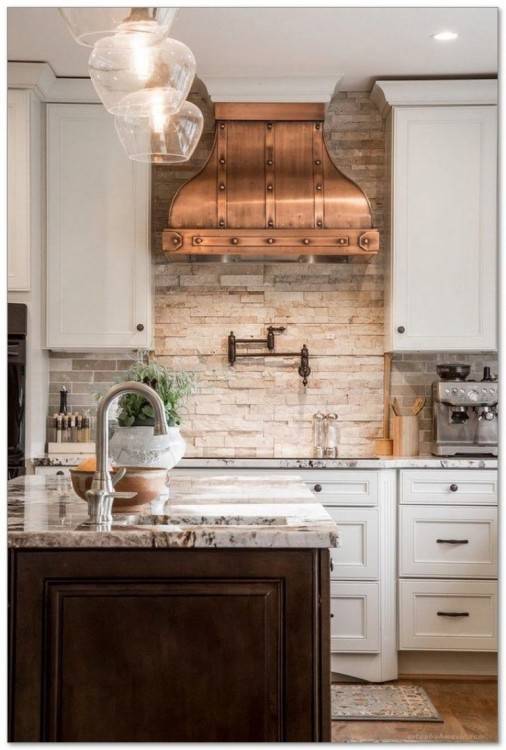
x=269, y=190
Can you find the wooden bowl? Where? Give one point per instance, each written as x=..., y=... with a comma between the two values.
x=147, y=482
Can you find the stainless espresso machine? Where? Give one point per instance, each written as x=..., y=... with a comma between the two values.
x=464, y=413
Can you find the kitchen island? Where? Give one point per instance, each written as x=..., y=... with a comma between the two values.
x=206, y=618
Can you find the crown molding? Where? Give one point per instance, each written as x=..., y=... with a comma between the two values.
x=463, y=92
x=40, y=78
x=287, y=89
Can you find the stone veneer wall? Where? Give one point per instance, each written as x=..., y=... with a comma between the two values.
x=259, y=407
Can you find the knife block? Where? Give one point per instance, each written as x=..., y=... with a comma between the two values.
x=405, y=435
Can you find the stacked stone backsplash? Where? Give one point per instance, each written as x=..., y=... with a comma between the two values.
x=259, y=407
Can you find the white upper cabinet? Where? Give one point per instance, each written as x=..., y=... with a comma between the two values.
x=441, y=276
x=18, y=190
x=98, y=258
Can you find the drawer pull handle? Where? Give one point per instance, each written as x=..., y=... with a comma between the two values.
x=317, y=488
x=452, y=541
x=454, y=487
x=331, y=564
x=453, y=614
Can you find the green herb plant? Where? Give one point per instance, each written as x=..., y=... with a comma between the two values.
x=172, y=387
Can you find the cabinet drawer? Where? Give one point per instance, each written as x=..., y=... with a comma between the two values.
x=448, y=541
x=445, y=486
x=448, y=615
x=358, y=553
x=354, y=624
x=346, y=487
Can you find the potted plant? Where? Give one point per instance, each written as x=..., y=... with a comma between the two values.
x=133, y=443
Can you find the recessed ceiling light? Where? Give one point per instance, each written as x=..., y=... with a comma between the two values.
x=445, y=36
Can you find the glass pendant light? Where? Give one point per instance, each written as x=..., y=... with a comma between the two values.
x=88, y=25
x=126, y=67
x=162, y=136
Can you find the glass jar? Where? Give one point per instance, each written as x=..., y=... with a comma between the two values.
x=331, y=435
x=318, y=434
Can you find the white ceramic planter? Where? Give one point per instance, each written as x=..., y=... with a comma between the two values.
x=137, y=446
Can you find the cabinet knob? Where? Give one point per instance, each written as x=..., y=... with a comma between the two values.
x=317, y=488
x=454, y=487
x=331, y=614
x=401, y=329
x=140, y=327
x=331, y=565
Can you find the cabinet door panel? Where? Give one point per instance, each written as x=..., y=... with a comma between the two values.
x=355, y=619
x=98, y=244
x=358, y=553
x=444, y=228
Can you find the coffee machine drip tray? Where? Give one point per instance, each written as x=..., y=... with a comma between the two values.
x=460, y=451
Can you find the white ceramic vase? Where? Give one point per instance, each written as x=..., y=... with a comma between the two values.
x=137, y=446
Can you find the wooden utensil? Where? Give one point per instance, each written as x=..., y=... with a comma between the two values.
x=418, y=405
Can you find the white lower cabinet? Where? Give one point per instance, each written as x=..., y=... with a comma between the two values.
x=358, y=553
x=448, y=560
x=448, y=615
x=355, y=616
x=457, y=542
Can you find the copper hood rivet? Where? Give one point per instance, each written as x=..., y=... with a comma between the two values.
x=269, y=187
x=222, y=161
x=365, y=241
x=269, y=125
x=175, y=241
x=222, y=223
x=270, y=224
x=318, y=187
x=222, y=186
x=319, y=223
x=270, y=240
x=198, y=240
x=269, y=162
x=305, y=241
x=234, y=241
x=317, y=162
x=222, y=125
x=317, y=126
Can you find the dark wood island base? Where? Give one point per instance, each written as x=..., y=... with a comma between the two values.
x=165, y=645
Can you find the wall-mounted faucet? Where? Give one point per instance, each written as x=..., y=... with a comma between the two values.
x=269, y=343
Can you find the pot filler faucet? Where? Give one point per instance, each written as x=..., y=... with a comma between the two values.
x=101, y=495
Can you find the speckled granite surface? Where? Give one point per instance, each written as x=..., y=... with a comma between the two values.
x=417, y=462
x=225, y=511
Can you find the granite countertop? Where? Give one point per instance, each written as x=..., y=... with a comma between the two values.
x=230, y=511
x=393, y=462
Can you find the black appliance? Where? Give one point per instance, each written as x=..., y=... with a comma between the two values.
x=16, y=389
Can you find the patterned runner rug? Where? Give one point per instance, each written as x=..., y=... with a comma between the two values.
x=382, y=703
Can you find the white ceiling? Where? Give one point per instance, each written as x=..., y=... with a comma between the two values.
x=357, y=44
